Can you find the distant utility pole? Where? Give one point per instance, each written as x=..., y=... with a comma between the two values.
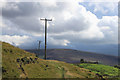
x=46, y=33
x=39, y=45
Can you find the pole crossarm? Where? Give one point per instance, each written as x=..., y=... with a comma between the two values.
x=46, y=19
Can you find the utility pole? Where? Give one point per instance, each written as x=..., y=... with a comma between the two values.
x=39, y=46
x=46, y=33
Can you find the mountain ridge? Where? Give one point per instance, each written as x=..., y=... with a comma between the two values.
x=74, y=56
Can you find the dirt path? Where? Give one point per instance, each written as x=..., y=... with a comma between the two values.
x=23, y=75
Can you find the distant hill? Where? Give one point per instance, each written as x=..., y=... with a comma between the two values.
x=17, y=63
x=74, y=56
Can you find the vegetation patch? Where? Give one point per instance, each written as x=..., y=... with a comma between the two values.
x=103, y=70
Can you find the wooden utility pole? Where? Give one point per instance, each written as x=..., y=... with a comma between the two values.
x=39, y=46
x=46, y=34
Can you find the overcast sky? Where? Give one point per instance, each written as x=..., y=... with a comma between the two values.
x=86, y=26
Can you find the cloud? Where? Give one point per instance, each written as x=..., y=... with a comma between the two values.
x=2, y=4
x=109, y=26
x=17, y=40
x=104, y=8
x=29, y=20
x=98, y=0
x=59, y=42
x=72, y=23
x=52, y=1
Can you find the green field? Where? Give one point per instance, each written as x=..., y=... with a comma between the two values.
x=104, y=70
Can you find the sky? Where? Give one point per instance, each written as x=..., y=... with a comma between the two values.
x=86, y=26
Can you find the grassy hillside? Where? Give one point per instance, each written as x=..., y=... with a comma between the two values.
x=17, y=63
x=103, y=70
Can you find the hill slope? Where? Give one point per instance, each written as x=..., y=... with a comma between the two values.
x=18, y=63
x=74, y=56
